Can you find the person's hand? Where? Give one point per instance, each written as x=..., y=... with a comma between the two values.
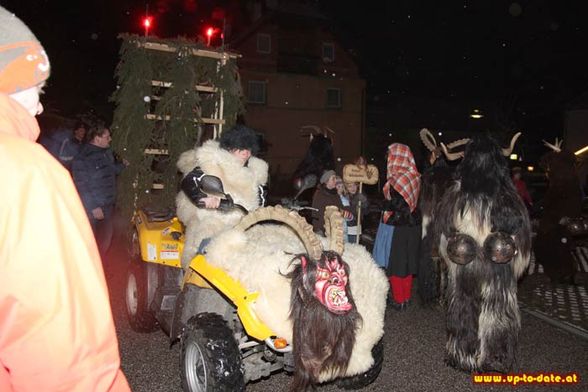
x=211, y=201
x=125, y=162
x=97, y=213
x=347, y=215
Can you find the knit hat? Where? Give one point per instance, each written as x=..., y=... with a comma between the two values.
x=326, y=175
x=23, y=61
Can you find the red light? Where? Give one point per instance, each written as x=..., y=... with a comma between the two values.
x=209, y=32
x=147, y=22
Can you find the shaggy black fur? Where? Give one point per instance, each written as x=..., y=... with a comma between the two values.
x=562, y=199
x=241, y=138
x=322, y=340
x=319, y=157
x=483, y=319
x=434, y=182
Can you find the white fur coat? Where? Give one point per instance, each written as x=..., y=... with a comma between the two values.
x=241, y=182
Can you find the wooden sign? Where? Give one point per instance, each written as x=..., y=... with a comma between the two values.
x=365, y=174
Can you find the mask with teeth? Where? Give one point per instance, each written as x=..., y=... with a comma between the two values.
x=330, y=286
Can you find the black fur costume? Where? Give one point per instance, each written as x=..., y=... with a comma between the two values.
x=319, y=158
x=563, y=199
x=485, y=240
x=434, y=182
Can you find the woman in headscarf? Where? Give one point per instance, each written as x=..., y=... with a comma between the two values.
x=400, y=210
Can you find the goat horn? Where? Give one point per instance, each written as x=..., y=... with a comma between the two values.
x=507, y=151
x=457, y=143
x=312, y=127
x=330, y=130
x=291, y=218
x=451, y=156
x=428, y=139
x=334, y=229
x=555, y=147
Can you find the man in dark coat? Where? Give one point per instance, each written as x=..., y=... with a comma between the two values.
x=94, y=172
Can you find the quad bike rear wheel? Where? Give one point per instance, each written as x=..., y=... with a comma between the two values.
x=210, y=359
x=140, y=317
x=364, y=379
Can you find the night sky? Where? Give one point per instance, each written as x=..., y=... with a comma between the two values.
x=529, y=56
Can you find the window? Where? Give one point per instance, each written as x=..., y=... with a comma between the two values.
x=264, y=43
x=256, y=91
x=328, y=52
x=333, y=98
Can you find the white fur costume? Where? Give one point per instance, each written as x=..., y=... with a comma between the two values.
x=259, y=259
x=241, y=182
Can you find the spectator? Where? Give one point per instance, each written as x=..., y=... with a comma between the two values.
x=94, y=172
x=56, y=327
x=342, y=192
x=521, y=186
x=65, y=144
x=359, y=206
x=326, y=195
x=400, y=210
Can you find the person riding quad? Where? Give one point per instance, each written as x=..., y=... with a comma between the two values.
x=243, y=177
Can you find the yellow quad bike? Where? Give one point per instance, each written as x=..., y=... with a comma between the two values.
x=224, y=344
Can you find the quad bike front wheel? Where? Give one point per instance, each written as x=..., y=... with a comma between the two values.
x=364, y=379
x=210, y=359
x=140, y=317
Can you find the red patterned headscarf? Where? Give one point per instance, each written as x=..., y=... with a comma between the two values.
x=402, y=175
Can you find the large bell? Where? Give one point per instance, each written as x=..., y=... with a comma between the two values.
x=461, y=249
x=499, y=248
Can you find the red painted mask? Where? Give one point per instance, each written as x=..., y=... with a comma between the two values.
x=330, y=286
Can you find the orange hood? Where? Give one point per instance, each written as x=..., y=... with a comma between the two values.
x=16, y=121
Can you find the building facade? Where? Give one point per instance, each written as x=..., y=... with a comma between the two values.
x=295, y=73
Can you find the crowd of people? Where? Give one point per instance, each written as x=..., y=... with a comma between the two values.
x=64, y=205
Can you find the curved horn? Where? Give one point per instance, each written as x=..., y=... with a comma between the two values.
x=334, y=229
x=330, y=130
x=451, y=156
x=291, y=218
x=558, y=143
x=428, y=139
x=555, y=147
x=507, y=151
x=457, y=143
x=313, y=128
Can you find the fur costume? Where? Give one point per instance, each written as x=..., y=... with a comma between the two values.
x=563, y=198
x=319, y=158
x=261, y=259
x=241, y=182
x=485, y=240
x=434, y=181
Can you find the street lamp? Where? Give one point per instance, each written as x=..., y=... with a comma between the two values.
x=477, y=114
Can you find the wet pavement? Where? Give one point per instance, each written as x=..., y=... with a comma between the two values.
x=414, y=344
x=563, y=305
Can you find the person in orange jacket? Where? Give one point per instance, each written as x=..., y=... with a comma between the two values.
x=56, y=326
